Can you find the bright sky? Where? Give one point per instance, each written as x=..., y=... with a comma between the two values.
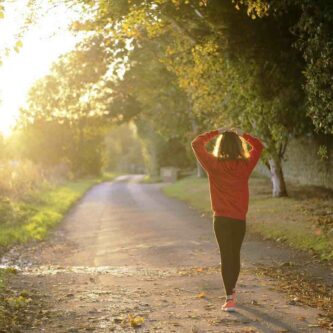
x=42, y=45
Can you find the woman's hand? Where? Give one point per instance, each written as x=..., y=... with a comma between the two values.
x=238, y=131
x=223, y=129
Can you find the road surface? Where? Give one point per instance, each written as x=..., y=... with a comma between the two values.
x=127, y=253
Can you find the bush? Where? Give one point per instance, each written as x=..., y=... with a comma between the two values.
x=19, y=177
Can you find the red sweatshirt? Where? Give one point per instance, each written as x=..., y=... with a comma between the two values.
x=228, y=179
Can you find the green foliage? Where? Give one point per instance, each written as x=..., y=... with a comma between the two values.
x=123, y=149
x=151, y=143
x=75, y=146
x=61, y=119
x=222, y=68
x=50, y=137
x=18, y=177
x=150, y=97
x=173, y=153
x=2, y=9
x=322, y=152
x=64, y=93
x=86, y=153
x=13, y=214
x=193, y=65
x=314, y=31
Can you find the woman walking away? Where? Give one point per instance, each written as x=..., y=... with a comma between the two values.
x=228, y=170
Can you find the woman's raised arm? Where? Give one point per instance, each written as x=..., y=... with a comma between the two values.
x=206, y=159
x=255, y=152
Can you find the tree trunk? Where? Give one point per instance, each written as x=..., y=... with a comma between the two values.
x=201, y=173
x=279, y=185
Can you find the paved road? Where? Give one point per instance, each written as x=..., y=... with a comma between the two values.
x=126, y=250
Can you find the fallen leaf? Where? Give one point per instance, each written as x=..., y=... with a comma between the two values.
x=136, y=321
x=201, y=295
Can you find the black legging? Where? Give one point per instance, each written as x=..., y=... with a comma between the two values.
x=229, y=234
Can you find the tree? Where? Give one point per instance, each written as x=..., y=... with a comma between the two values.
x=234, y=68
x=230, y=68
x=149, y=96
x=123, y=149
x=60, y=113
x=313, y=31
x=65, y=92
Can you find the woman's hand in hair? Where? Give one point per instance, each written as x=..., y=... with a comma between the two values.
x=238, y=131
x=223, y=129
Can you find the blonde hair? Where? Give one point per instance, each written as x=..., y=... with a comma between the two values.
x=230, y=146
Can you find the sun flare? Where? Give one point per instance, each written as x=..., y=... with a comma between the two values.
x=43, y=43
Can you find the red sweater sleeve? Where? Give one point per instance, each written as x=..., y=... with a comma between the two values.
x=256, y=150
x=206, y=159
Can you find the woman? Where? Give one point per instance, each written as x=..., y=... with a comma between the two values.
x=228, y=170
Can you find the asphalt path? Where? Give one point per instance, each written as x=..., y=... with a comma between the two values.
x=127, y=255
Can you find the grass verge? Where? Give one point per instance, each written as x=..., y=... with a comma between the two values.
x=39, y=211
x=304, y=220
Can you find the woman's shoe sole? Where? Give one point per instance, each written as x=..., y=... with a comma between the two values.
x=229, y=310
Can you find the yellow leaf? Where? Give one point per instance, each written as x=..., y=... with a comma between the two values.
x=201, y=295
x=136, y=321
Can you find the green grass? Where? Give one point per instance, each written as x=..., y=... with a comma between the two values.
x=108, y=175
x=193, y=190
x=293, y=219
x=32, y=217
